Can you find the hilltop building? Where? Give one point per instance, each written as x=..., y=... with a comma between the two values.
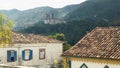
x=31, y=50
x=50, y=19
x=98, y=49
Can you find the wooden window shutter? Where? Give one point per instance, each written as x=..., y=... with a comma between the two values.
x=9, y=56
x=31, y=54
x=15, y=55
x=23, y=55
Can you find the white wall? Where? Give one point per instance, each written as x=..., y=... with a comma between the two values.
x=10, y=66
x=77, y=64
x=53, y=51
x=3, y=56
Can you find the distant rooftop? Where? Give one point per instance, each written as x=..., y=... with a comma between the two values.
x=31, y=38
x=99, y=43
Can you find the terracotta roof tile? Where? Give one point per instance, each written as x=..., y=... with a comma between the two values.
x=31, y=38
x=100, y=43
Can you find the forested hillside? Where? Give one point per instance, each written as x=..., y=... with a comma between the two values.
x=73, y=30
x=89, y=15
x=97, y=10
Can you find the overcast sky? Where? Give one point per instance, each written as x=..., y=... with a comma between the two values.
x=28, y=4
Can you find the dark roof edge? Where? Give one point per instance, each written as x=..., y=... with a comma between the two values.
x=89, y=57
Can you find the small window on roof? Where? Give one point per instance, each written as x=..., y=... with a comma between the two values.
x=83, y=66
x=106, y=66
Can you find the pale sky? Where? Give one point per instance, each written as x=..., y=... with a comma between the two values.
x=28, y=4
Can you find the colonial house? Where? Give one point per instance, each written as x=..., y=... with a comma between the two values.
x=31, y=50
x=98, y=49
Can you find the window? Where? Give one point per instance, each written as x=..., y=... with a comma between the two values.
x=83, y=66
x=27, y=54
x=41, y=53
x=106, y=66
x=69, y=64
x=11, y=56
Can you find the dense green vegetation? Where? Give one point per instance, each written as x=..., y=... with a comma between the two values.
x=5, y=31
x=61, y=36
x=73, y=30
x=98, y=10
x=58, y=36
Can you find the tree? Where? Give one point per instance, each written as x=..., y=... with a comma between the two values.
x=58, y=36
x=61, y=36
x=5, y=31
x=66, y=46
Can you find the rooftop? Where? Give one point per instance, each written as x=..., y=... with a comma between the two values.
x=31, y=38
x=99, y=43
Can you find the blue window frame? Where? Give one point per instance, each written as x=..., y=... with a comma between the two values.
x=27, y=54
x=11, y=55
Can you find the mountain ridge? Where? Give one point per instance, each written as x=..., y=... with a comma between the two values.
x=97, y=9
x=26, y=18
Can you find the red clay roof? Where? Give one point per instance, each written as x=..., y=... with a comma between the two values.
x=99, y=43
x=31, y=38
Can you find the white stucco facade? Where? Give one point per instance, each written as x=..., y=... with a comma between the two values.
x=78, y=64
x=52, y=52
